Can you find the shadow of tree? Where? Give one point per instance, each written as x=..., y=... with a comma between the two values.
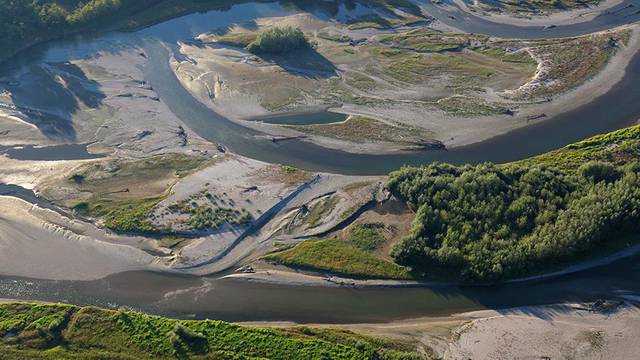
x=49, y=94
x=307, y=63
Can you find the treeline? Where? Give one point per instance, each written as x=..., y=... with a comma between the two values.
x=489, y=222
x=23, y=22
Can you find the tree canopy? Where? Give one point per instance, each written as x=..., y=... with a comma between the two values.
x=23, y=22
x=278, y=40
x=489, y=222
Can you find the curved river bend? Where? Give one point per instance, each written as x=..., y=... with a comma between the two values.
x=239, y=301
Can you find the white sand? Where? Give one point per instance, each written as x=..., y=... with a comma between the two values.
x=30, y=246
x=527, y=333
x=556, y=332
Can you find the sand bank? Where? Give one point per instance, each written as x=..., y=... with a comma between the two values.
x=31, y=246
x=566, y=331
x=558, y=18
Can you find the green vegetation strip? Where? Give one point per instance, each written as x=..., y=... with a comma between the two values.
x=618, y=147
x=339, y=257
x=30, y=331
x=363, y=129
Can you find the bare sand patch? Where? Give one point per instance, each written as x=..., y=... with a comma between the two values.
x=33, y=246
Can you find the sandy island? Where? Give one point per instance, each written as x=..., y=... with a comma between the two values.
x=557, y=18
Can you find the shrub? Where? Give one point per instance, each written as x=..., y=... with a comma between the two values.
x=597, y=171
x=277, y=40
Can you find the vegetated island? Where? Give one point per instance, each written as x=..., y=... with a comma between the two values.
x=55, y=331
x=277, y=40
x=488, y=223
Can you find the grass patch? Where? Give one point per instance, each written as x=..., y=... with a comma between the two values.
x=367, y=237
x=340, y=257
x=123, y=193
x=371, y=21
x=360, y=81
x=571, y=62
x=362, y=129
x=237, y=39
x=417, y=68
x=320, y=210
x=465, y=105
x=425, y=39
x=205, y=210
x=92, y=333
x=127, y=216
x=520, y=57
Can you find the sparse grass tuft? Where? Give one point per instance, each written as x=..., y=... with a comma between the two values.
x=362, y=129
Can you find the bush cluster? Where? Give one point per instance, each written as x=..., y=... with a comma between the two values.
x=277, y=40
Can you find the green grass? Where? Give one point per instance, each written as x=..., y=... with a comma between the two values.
x=238, y=39
x=367, y=25
x=127, y=216
x=70, y=332
x=522, y=57
x=339, y=257
x=367, y=236
x=320, y=210
x=617, y=147
x=416, y=68
x=360, y=81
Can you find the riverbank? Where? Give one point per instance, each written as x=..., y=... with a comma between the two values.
x=292, y=277
x=553, y=18
x=99, y=333
x=556, y=331
x=41, y=243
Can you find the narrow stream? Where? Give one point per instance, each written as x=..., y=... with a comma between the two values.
x=196, y=297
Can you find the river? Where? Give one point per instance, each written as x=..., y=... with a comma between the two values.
x=204, y=297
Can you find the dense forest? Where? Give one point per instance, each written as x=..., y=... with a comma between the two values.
x=487, y=222
x=23, y=22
